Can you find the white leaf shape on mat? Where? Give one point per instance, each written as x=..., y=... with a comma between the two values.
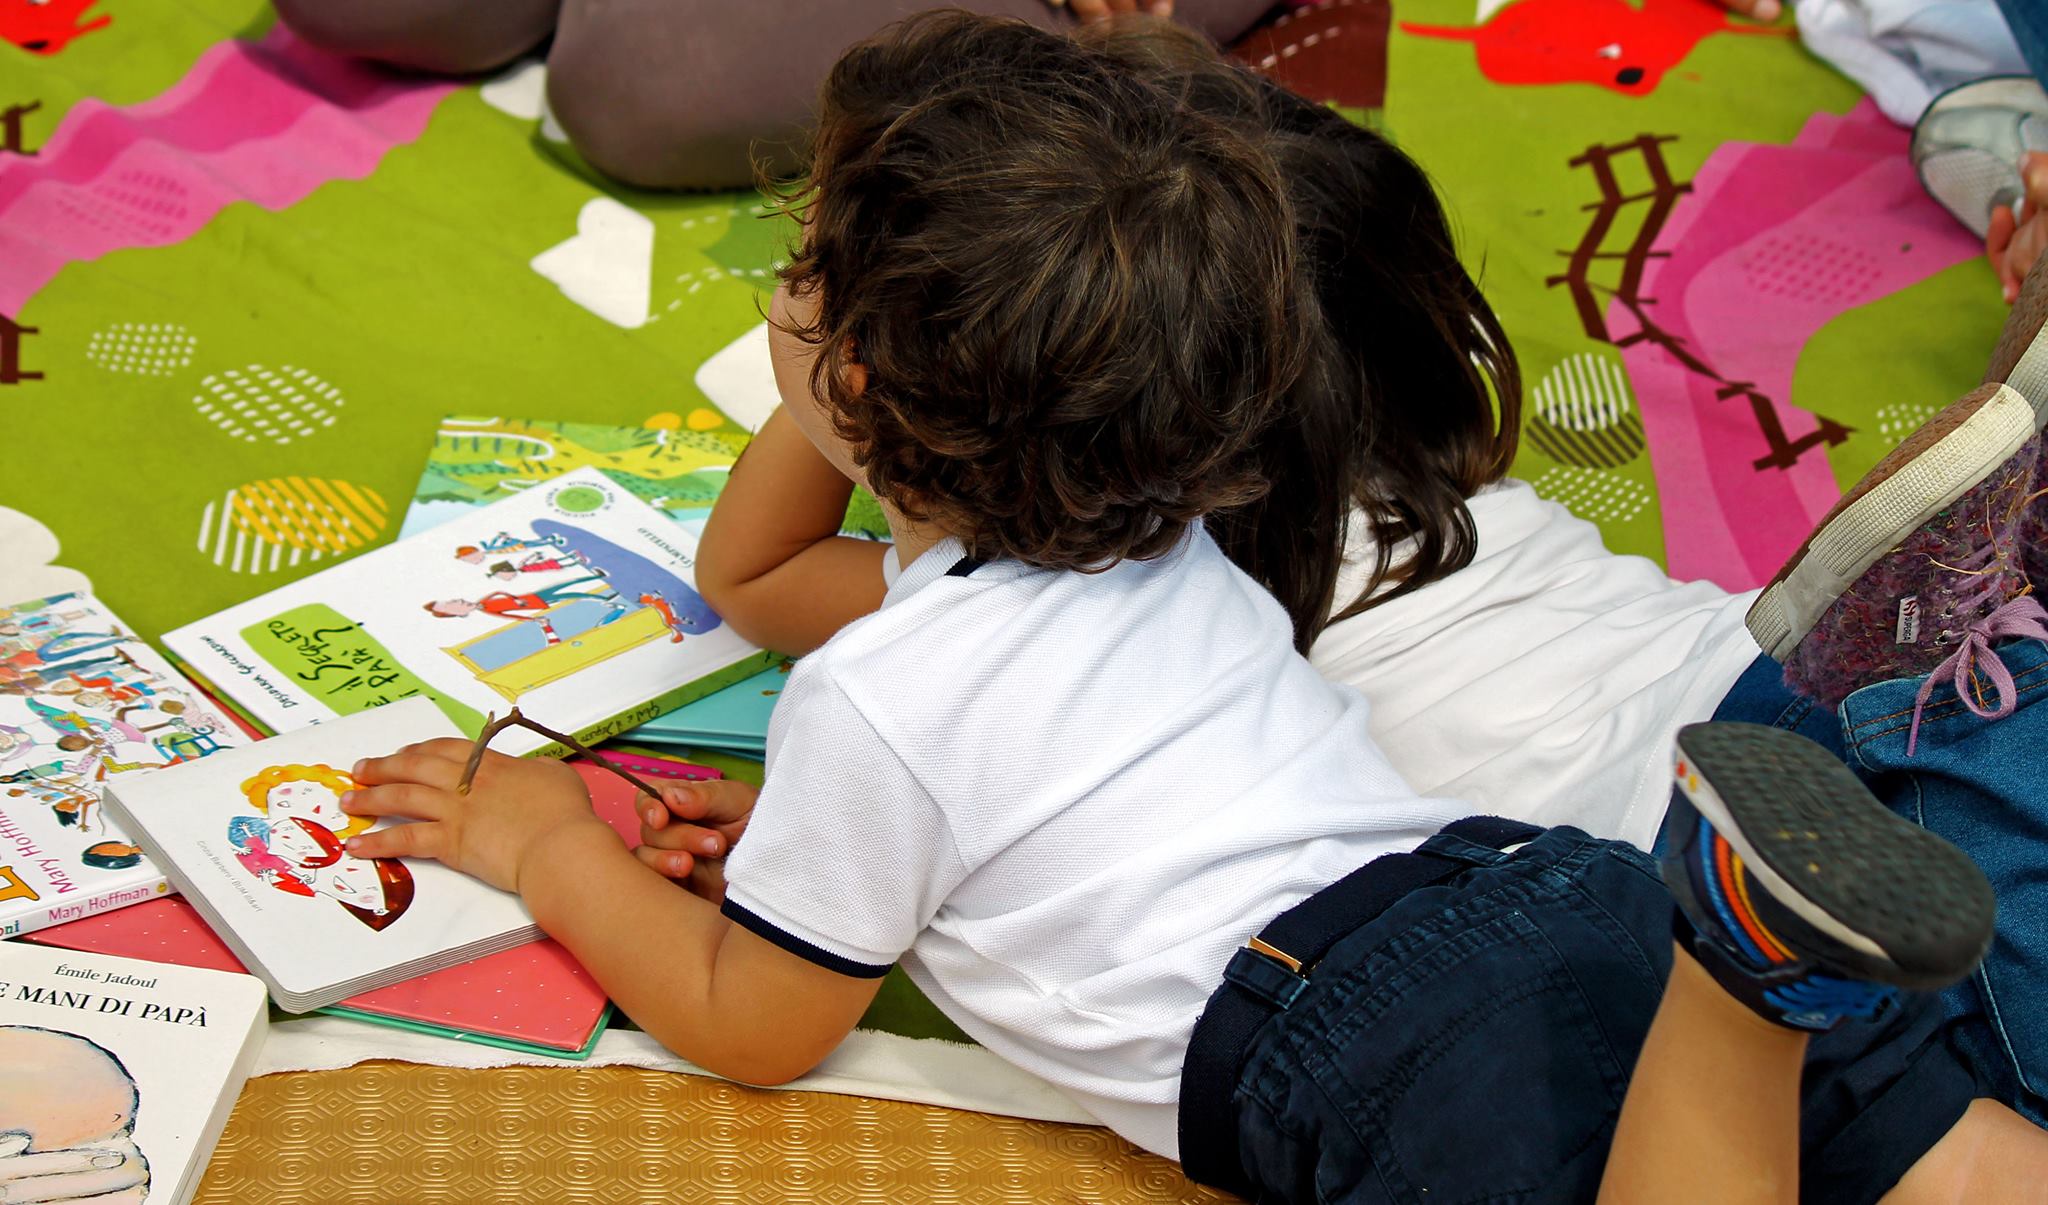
x=27, y=549
x=551, y=129
x=606, y=268
x=740, y=380
x=518, y=91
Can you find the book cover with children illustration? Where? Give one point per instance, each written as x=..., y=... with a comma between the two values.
x=574, y=601
x=82, y=701
x=117, y=1076
x=254, y=839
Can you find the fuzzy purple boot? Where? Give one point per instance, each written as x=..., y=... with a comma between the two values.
x=1918, y=569
x=2021, y=360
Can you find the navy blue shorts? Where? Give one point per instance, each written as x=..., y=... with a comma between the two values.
x=1474, y=1040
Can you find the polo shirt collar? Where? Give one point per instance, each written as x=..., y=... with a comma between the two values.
x=925, y=570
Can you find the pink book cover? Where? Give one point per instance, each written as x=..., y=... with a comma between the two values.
x=535, y=995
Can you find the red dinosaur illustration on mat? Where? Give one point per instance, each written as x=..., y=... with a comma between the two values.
x=1611, y=43
x=47, y=26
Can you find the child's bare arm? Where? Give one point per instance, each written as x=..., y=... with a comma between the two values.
x=705, y=988
x=714, y=993
x=772, y=561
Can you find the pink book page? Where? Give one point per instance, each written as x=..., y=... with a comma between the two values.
x=536, y=993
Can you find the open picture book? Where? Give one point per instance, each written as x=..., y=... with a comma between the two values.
x=253, y=838
x=535, y=998
x=117, y=1076
x=574, y=601
x=83, y=702
x=479, y=460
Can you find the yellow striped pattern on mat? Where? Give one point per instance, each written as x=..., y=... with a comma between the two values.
x=394, y=1132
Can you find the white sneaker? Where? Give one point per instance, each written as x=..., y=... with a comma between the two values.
x=1970, y=143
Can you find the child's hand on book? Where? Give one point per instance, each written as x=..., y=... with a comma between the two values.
x=686, y=834
x=514, y=810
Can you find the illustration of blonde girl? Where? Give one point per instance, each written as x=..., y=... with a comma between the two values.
x=311, y=793
x=296, y=847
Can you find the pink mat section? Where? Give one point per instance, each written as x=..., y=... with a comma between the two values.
x=264, y=122
x=1772, y=244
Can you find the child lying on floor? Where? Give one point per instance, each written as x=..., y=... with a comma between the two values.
x=1048, y=311
x=1511, y=660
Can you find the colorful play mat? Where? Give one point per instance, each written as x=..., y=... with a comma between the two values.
x=242, y=282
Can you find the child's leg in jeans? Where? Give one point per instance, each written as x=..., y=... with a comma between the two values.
x=1804, y=904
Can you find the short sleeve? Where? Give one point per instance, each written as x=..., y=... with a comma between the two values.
x=846, y=858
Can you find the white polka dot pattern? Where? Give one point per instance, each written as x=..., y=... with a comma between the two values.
x=1594, y=495
x=156, y=349
x=255, y=403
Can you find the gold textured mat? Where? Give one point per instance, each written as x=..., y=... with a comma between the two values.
x=396, y=1132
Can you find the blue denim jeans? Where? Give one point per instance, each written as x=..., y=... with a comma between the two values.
x=1474, y=1041
x=1983, y=786
x=2029, y=22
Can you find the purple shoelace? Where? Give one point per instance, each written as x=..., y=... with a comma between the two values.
x=2019, y=617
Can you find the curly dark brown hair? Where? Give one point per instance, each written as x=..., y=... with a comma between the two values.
x=1412, y=400
x=1075, y=298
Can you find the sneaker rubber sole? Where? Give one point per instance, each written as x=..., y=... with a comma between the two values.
x=1946, y=458
x=1886, y=900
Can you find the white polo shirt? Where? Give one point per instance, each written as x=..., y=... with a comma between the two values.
x=1061, y=800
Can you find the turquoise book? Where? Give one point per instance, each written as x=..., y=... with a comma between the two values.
x=734, y=719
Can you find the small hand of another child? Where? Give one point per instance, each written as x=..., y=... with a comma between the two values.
x=513, y=811
x=686, y=834
x=2013, y=245
x=1102, y=10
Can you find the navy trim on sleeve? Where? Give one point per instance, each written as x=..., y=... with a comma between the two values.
x=797, y=945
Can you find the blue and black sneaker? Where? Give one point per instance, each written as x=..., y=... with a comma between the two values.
x=1800, y=893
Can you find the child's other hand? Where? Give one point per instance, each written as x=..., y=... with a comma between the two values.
x=1102, y=10
x=686, y=834
x=513, y=809
x=2012, y=245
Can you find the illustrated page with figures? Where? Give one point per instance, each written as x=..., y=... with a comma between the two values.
x=574, y=601
x=82, y=702
x=254, y=838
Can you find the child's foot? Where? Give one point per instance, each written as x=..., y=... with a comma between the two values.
x=1919, y=567
x=1800, y=893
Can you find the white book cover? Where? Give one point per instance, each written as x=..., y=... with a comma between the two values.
x=117, y=1076
x=573, y=600
x=83, y=701
x=253, y=838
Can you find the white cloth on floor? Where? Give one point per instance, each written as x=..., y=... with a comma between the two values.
x=924, y=1071
x=1907, y=52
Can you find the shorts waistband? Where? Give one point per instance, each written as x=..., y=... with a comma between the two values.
x=1265, y=977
